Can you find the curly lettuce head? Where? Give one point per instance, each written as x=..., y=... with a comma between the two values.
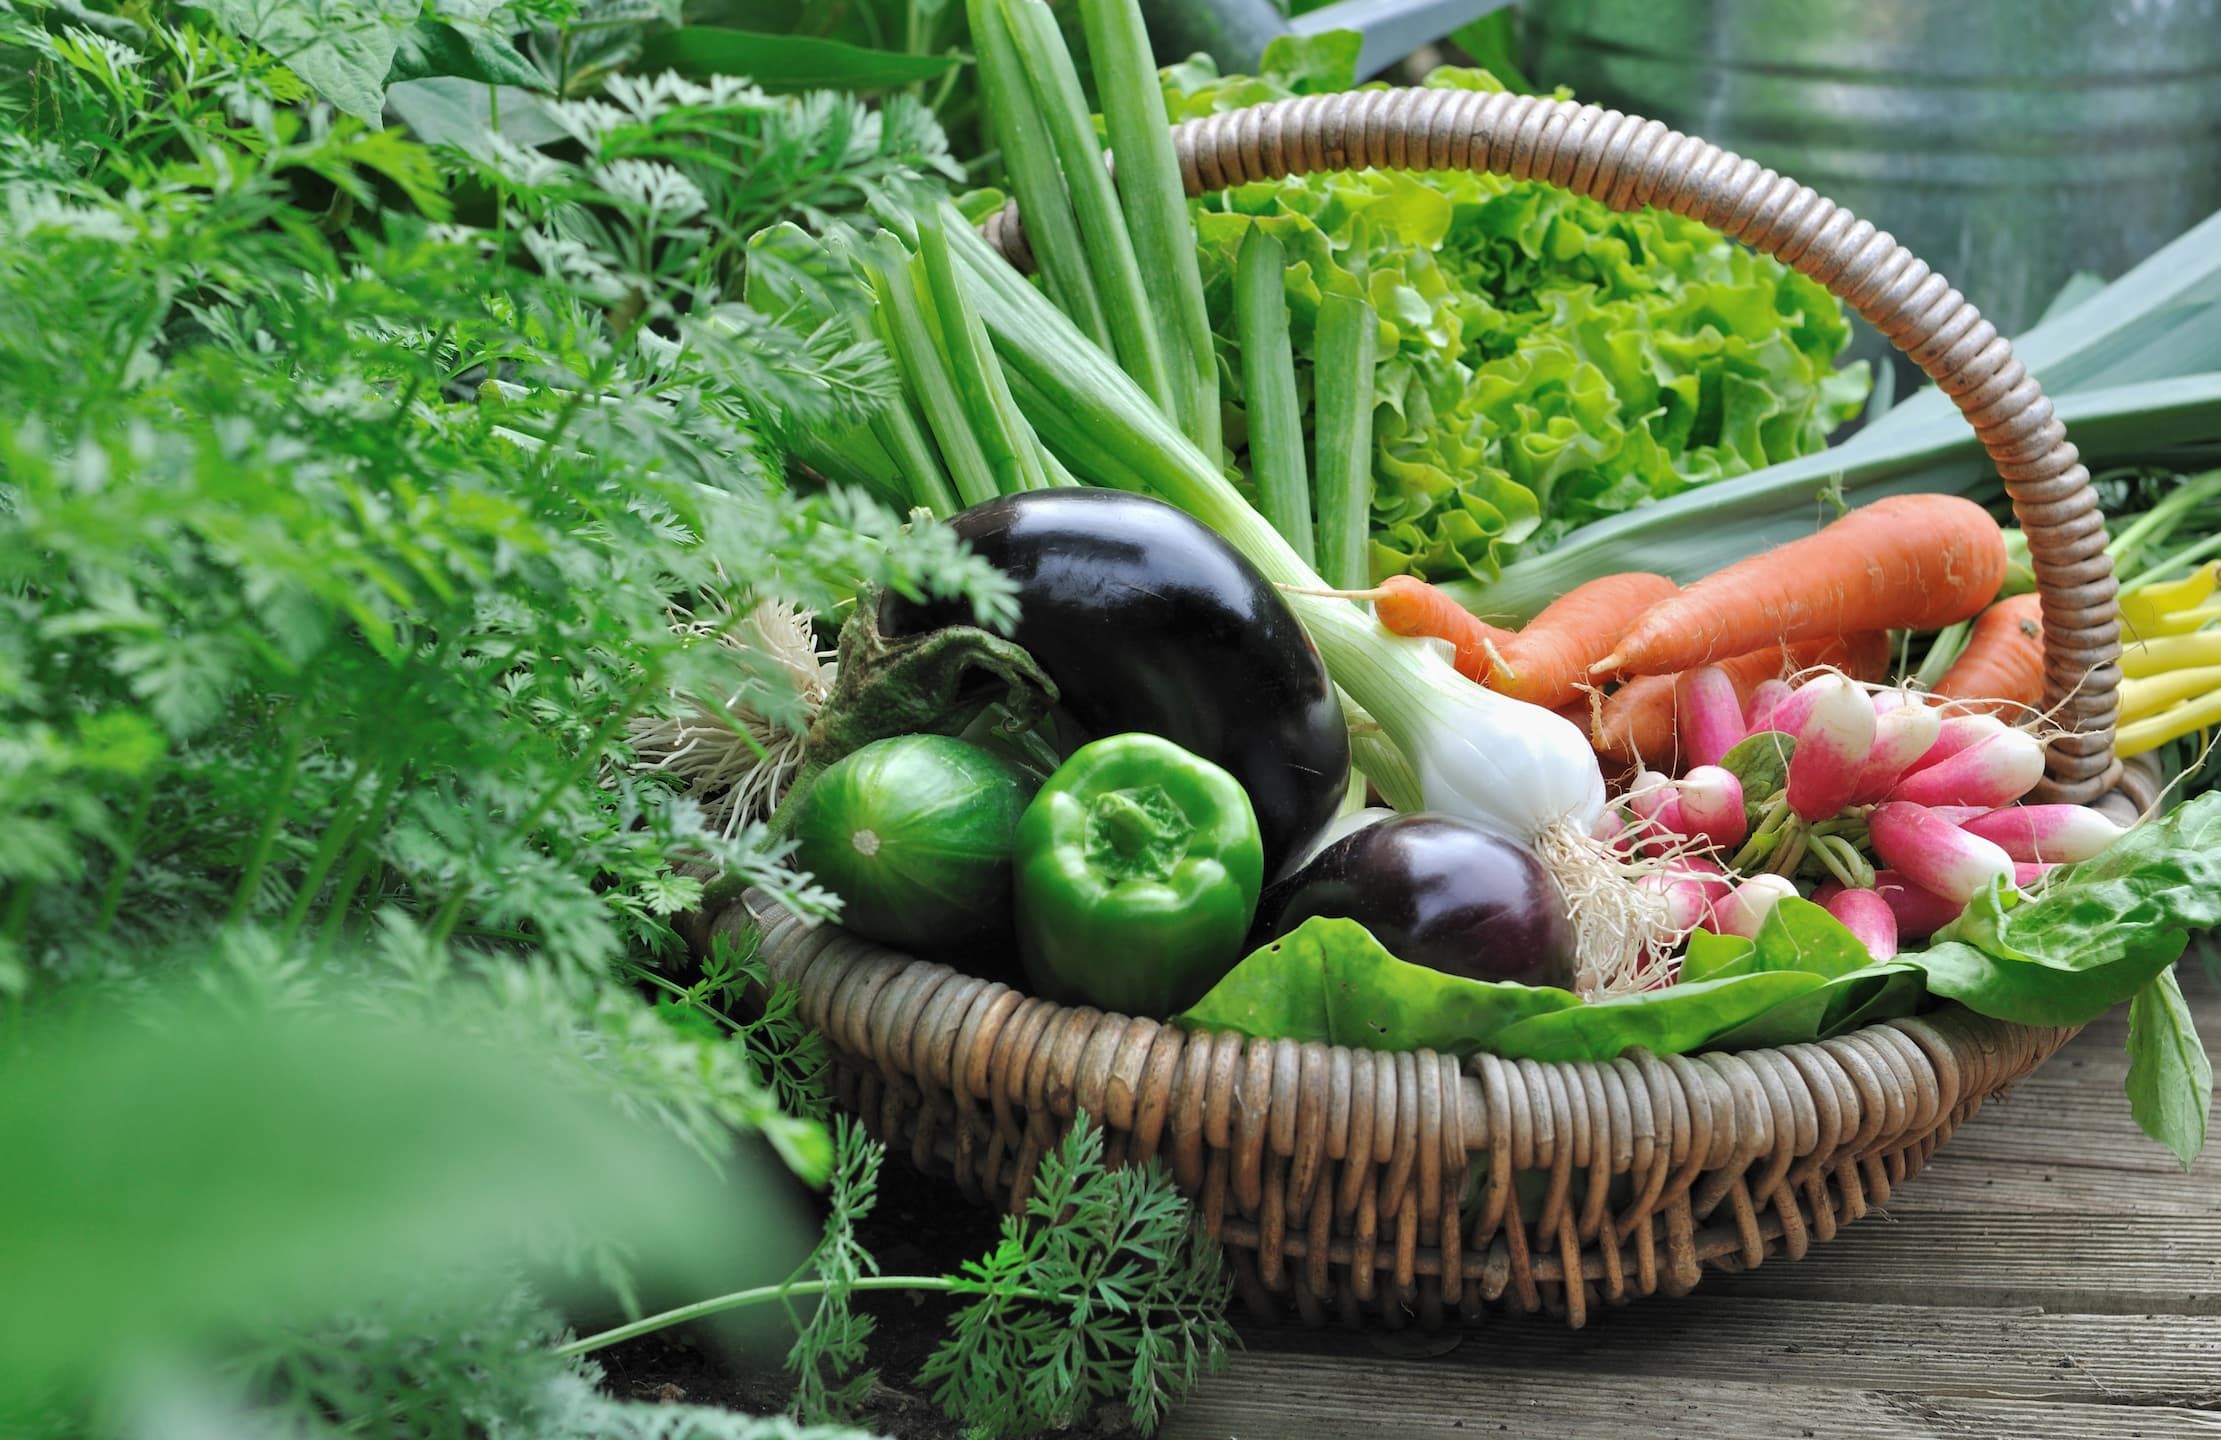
x=1545, y=361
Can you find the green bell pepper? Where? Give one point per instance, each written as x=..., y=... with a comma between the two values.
x=1138, y=867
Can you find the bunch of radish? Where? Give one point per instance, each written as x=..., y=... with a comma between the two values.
x=1899, y=809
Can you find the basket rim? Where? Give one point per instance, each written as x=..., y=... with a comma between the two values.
x=1330, y=1171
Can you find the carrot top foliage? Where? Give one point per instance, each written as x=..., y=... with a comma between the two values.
x=353, y=477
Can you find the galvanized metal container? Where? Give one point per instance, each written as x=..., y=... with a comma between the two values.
x=2009, y=143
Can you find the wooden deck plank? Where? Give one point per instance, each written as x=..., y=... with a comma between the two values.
x=1968, y=1184
x=1326, y=1398
x=1992, y=1354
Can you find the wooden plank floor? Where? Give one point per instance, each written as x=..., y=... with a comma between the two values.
x=2052, y=1273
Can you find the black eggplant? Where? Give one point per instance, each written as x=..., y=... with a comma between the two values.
x=1437, y=891
x=1147, y=620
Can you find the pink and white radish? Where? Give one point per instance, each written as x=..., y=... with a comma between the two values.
x=1935, y=854
x=1958, y=732
x=1920, y=912
x=1790, y=715
x=1745, y=908
x=1686, y=904
x=1996, y=771
x=2044, y=832
x=1655, y=804
x=1765, y=700
x=1868, y=916
x=1833, y=743
x=1711, y=803
x=1902, y=735
x=1711, y=714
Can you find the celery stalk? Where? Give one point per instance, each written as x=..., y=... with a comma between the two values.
x=1269, y=389
x=1342, y=402
x=1062, y=107
x=1156, y=206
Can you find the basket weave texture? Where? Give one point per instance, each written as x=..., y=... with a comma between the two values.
x=1420, y=1187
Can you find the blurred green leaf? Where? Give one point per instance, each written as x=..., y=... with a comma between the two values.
x=236, y=1164
x=784, y=63
x=434, y=47
x=447, y=110
x=344, y=49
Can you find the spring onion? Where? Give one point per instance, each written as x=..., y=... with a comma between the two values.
x=1030, y=161
x=1062, y=106
x=1156, y=207
x=1009, y=443
x=909, y=337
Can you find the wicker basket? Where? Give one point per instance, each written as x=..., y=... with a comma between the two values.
x=1413, y=1185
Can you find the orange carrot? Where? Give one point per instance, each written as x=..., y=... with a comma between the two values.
x=1548, y=662
x=1908, y=562
x=1639, y=722
x=1407, y=605
x=2004, y=658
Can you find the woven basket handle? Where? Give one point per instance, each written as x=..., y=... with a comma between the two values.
x=1628, y=162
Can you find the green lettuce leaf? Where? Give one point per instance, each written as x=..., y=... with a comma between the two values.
x=2170, y=1080
x=1545, y=361
x=1330, y=980
x=2096, y=934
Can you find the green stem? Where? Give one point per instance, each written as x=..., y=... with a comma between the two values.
x=1051, y=231
x=1770, y=820
x=111, y=892
x=1943, y=652
x=1342, y=462
x=1156, y=208
x=909, y=338
x=2198, y=550
x=1057, y=98
x=328, y=851
x=1823, y=849
x=2160, y=521
x=765, y=1294
x=1269, y=389
x=363, y=853
x=258, y=857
